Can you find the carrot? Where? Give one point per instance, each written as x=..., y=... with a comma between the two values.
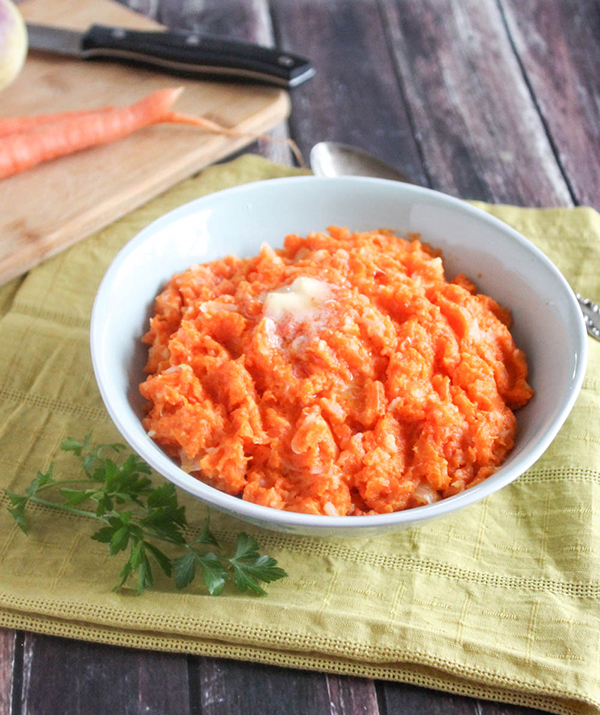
x=28, y=141
x=203, y=123
x=23, y=150
x=209, y=125
x=11, y=125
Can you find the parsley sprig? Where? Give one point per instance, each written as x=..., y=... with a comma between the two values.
x=135, y=515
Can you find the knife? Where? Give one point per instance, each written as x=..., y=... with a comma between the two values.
x=176, y=51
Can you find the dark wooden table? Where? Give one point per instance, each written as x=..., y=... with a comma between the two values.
x=496, y=100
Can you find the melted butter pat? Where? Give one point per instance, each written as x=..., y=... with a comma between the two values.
x=301, y=299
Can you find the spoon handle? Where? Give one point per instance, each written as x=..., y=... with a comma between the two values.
x=591, y=315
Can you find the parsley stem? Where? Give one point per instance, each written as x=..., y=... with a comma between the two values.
x=69, y=481
x=91, y=515
x=68, y=509
x=152, y=535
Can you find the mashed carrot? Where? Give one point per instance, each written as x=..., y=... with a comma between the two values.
x=341, y=375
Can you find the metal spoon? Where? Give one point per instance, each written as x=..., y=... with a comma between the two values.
x=333, y=159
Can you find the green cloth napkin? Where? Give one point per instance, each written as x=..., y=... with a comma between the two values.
x=499, y=602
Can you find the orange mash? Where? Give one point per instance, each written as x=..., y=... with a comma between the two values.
x=341, y=375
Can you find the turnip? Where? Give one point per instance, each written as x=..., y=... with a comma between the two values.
x=13, y=42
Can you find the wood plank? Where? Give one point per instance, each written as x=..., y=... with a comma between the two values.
x=73, y=677
x=354, y=97
x=248, y=21
x=237, y=20
x=558, y=45
x=400, y=699
x=148, y=8
x=352, y=696
x=231, y=687
x=7, y=663
x=479, y=130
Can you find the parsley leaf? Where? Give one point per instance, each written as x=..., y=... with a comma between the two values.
x=161, y=558
x=17, y=510
x=213, y=572
x=185, y=570
x=71, y=445
x=249, y=567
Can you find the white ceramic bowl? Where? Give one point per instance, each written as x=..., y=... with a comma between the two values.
x=547, y=321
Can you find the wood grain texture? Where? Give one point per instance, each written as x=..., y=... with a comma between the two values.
x=81, y=193
x=480, y=134
x=249, y=21
x=352, y=696
x=354, y=97
x=232, y=688
x=557, y=43
x=76, y=678
x=408, y=700
x=7, y=662
x=148, y=8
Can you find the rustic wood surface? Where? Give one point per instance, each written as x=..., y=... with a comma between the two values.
x=485, y=99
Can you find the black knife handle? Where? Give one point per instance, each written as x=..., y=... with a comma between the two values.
x=191, y=54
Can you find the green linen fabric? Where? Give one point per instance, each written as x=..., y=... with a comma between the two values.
x=500, y=601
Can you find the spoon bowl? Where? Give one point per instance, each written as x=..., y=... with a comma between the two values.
x=334, y=159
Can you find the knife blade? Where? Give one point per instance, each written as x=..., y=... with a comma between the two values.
x=180, y=52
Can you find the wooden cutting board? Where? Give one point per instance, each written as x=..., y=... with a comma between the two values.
x=56, y=204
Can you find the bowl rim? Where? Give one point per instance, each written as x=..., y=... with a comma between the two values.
x=250, y=511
